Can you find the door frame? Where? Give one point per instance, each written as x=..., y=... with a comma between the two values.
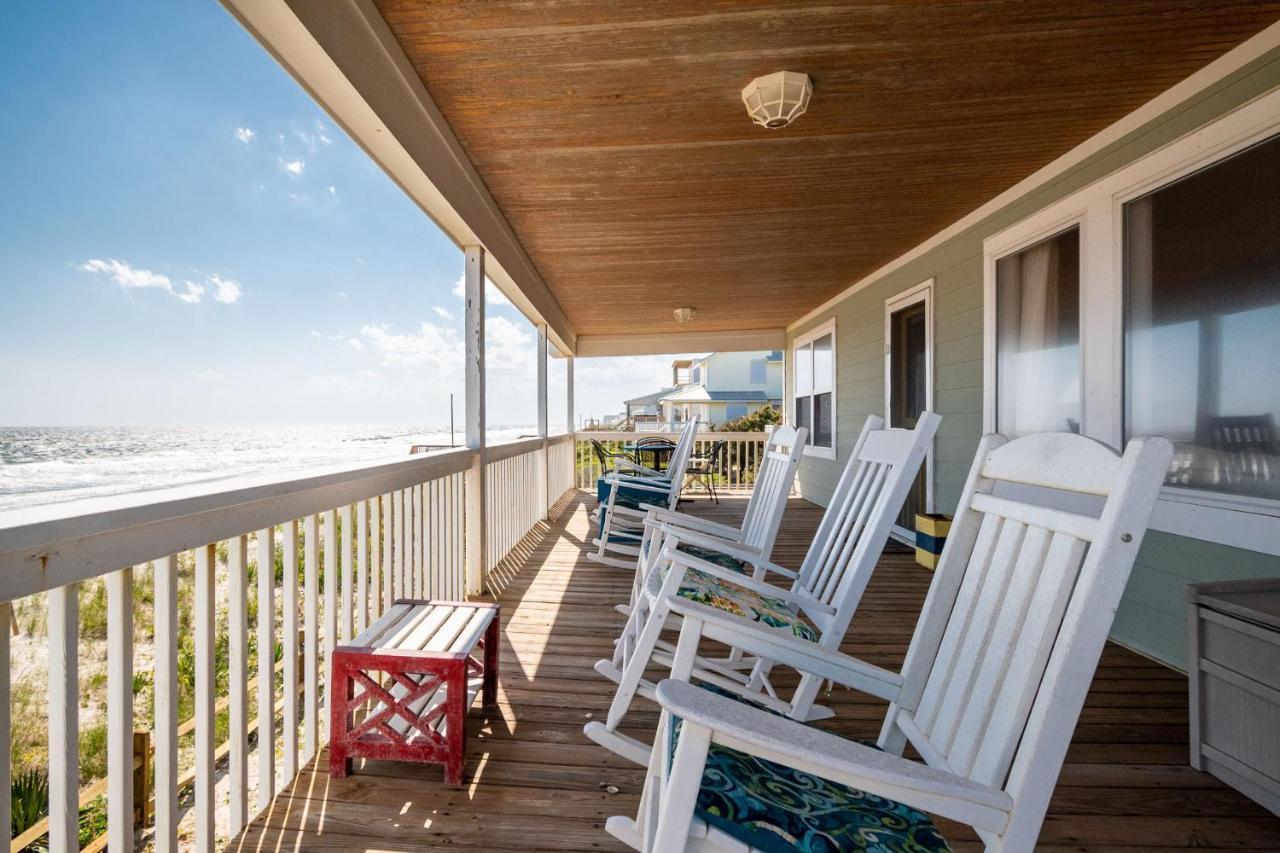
x=921, y=293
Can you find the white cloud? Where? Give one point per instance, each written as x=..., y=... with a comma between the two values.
x=227, y=291
x=129, y=277
x=492, y=295
x=192, y=293
x=333, y=191
x=443, y=313
x=508, y=346
x=210, y=375
x=341, y=294
x=293, y=167
x=355, y=343
x=245, y=134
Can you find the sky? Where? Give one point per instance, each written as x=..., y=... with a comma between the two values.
x=186, y=238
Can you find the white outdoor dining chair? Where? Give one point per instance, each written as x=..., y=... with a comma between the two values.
x=814, y=610
x=994, y=679
x=625, y=500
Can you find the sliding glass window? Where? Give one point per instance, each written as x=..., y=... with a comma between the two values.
x=1202, y=322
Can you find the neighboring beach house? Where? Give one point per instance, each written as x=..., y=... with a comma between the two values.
x=717, y=388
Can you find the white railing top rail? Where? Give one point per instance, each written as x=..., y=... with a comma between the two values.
x=626, y=435
x=509, y=449
x=46, y=547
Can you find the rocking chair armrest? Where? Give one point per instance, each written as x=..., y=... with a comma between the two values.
x=635, y=466
x=693, y=522
x=637, y=484
x=739, y=726
x=732, y=549
x=781, y=647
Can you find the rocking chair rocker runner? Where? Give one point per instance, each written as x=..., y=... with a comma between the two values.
x=814, y=611
x=994, y=679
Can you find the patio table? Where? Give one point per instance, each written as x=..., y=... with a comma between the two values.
x=659, y=452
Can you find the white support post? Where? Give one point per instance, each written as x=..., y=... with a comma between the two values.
x=6, y=771
x=476, y=549
x=568, y=393
x=543, y=402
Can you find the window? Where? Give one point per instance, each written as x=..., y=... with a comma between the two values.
x=696, y=375
x=1202, y=323
x=1038, y=337
x=733, y=411
x=814, y=375
x=1161, y=316
x=758, y=374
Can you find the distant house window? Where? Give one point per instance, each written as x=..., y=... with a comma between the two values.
x=814, y=390
x=733, y=411
x=697, y=375
x=758, y=374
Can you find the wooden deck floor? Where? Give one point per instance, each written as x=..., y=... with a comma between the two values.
x=533, y=782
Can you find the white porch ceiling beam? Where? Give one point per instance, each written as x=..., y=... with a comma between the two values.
x=344, y=55
x=673, y=342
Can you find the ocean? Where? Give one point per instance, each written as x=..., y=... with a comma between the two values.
x=44, y=465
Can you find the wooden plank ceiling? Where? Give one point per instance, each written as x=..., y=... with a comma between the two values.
x=614, y=138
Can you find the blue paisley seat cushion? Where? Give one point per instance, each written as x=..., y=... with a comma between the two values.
x=629, y=497
x=745, y=603
x=779, y=809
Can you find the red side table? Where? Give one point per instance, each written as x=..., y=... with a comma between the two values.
x=415, y=671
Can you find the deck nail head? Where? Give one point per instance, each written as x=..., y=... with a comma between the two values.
x=1126, y=537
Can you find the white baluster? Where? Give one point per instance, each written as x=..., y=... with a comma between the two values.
x=165, y=595
x=330, y=605
x=266, y=667
x=203, y=598
x=6, y=784
x=64, y=717
x=362, y=565
x=399, y=590
x=289, y=642
x=119, y=709
x=344, y=611
x=238, y=677
x=388, y=565
x=311, y=637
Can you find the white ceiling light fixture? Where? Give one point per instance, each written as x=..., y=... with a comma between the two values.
x=775, y=100
x=684, y=315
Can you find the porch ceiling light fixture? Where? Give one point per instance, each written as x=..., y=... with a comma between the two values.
x=775, y=100
x=684, y=315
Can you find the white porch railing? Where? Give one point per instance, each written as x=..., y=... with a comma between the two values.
x=743, y=454
x=358, y=538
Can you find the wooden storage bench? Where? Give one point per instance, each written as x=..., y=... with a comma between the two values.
x=415, y=672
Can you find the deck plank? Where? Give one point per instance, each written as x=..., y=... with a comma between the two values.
x=534, y=782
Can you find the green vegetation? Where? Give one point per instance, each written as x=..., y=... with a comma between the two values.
x=757, y=421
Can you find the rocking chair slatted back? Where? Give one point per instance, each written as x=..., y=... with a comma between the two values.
x=1019, y=610
x=783, y=450
x=867, y=499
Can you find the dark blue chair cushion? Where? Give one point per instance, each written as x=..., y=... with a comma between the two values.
x=779, y=809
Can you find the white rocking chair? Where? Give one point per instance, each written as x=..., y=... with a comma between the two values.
x=780, y=459
x=994, y=680
x=621, y=515
x=814, y=611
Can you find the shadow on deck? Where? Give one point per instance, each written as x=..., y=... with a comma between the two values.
x=534, y=782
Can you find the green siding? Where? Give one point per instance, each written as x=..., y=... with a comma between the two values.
x=1152, y=616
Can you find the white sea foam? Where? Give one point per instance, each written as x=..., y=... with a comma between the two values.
x=43, y=465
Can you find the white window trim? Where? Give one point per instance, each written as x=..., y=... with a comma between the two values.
x=1237, y=520
x=921, y=293
x=829, y=327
